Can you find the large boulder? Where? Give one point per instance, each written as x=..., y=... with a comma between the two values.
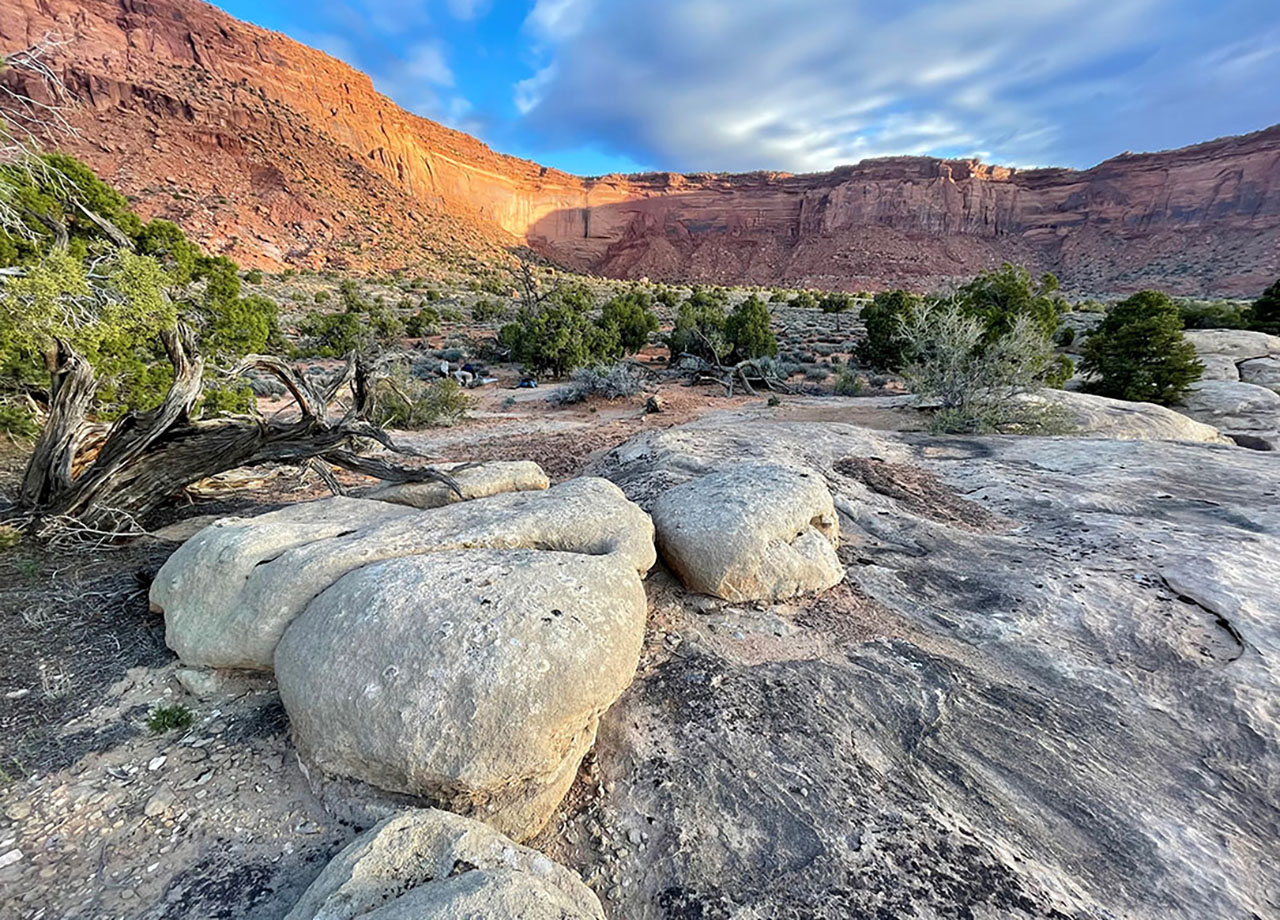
x=229, y=592
x=1262, y=372
x=474, y=481
x=1103, y=417
x=1233, y=407
x=204, y=588
x=472, y=679
x=1218, y=367
x=425, y=863
x=751, y=532
x=1237, y=344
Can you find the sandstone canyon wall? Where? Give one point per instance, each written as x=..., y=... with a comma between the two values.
x=278, y=154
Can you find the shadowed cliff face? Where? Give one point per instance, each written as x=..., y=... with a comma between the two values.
x=278, y=154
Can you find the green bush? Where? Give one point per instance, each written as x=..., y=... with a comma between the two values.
x=424, y=322
x=404, y=401
x=168, y=718
x=1213, y=314
x=837, y=303
x=323, y=297
x=253, y=276
x=748, y=331
x=883, y=346
x=849, y=384
x=999, y=297
x=630, y=316
x=981, y=384
x=486, y=311
x=558, y=334
x=1264, y=315
x=699, y=328
x=1138, y=352
x=804, y=299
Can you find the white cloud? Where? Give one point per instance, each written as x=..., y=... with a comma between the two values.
x=426, y=62
x=468, y=9
x=808, y=84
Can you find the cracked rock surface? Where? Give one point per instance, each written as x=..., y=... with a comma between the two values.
x=1049, y=687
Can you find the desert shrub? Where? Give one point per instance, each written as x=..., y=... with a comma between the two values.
x=450, y=314
x=630, y=316
x=17, y=421
x=748, y=331
x=999, y=297
x=322, y=297
x=610, y=381
x=433, y=294
x=979, y=382
x=816, y=373
x=884, y=318
x=1138, y=352
x=836, y=303
x=1064, y=337
x=424, y=322
x=219, y=401
x=558, y=334
x=804, y=299
x=700, y=327
x=849, y=384
x=168, y=718
x=402, y=400
x=330, y=335
x=1213, y=314
x=485, y=311
x=253, y=276
x=1264, y=315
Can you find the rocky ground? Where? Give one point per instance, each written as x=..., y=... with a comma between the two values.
x=1045, y=688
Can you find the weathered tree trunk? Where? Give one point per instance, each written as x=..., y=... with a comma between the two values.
x=146, y=458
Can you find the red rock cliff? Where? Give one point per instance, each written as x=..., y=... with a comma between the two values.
x=279, y=154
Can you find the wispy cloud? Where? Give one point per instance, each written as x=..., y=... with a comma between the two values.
x=807, y=84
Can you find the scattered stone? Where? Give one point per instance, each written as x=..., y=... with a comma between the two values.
x=429, y=863
x=655, y=404
x=1235, y=408
x=751, y=532
x=159, y=803
x=9, y=858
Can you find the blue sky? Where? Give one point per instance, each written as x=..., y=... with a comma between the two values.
x=597, y=86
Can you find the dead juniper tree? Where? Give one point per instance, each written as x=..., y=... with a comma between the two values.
x=100, y=475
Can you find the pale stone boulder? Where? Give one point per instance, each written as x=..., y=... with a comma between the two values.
x=425, y=863
x=753, y=531
x=229, y=592
x=1218, y=367
x=1103, y=417
x=474, y=481
x=1233, y=407
x=1237, y=344
x=473, y=679
x=1262, y=372
x=201, y=588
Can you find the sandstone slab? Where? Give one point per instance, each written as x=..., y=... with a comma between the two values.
x=425, y=863
x=751, y=532
x=1233, y=407
x=1049, y=689
x=1102, y=417
x=1218, y=367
